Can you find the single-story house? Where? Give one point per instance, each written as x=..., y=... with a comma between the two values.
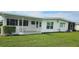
x=31, y=25
x=77, y=26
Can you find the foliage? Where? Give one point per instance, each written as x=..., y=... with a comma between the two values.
x=9, y=30
x=0, y=23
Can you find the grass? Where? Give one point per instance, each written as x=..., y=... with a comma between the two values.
x=70, y=39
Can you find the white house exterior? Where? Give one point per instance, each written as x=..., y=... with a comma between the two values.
x=31, y=25
x=77, y=26
x=58, y=25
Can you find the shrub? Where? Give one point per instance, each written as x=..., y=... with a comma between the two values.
x=8, y=30
x=0, y=23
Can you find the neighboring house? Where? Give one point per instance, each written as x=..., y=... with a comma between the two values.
x=31, y=25
x=77, y=26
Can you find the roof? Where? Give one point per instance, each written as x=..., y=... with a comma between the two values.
x=53, y=18
x=58, y=18
x=9, y=14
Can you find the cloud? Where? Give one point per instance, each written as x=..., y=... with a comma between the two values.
x=34, y=13
x=72, y=16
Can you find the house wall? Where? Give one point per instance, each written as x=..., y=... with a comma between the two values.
x=56, y=26
x=23, y=29
x=2, y=19
x=32, y=28
x=27, y=29
x=77, y=27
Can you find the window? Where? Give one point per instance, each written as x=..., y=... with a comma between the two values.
x=16, y=21
x=49, y=25
x=12, y=22
x=25, y=22
x=39, y=24
x=62, y=24
x=33, y=22
x=20, y=22
x=8, y=20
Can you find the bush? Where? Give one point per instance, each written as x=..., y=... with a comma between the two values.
x=0, y=23
x=8, y=30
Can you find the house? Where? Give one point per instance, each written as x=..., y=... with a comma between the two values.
x=31, y=25
x=77, y=26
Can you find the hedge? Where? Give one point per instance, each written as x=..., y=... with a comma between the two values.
x=0, y=23
x=9, y=30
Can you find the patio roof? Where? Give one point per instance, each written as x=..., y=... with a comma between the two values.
x=52, y=18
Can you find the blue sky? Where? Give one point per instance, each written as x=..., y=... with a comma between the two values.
x=68, y=15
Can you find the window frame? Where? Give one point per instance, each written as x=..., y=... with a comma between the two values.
x=37, y=24
x=62, y=25
x=20, y=22
x=40, y=24
x=12, y=22
x=50, y=25
x=25, y=22
x=33, y=22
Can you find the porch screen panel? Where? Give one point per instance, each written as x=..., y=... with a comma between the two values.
x=37, y=24
x=12, y=22
x=20, y=22
x=25, y=22
x=8, y=21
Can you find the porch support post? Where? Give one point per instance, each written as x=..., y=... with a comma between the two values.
x=4, y=24
x=2, y=31
x=18, y=26
x=18, y=22
x=22, y=24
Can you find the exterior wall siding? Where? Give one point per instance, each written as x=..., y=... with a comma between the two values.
x=56, y=26
x=24, y=29
x=32, y=28
x=77, y=27
x=29, y=28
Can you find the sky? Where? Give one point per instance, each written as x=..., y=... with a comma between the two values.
x=68, y=15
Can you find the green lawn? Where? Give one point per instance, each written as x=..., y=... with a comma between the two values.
x=42, y=40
